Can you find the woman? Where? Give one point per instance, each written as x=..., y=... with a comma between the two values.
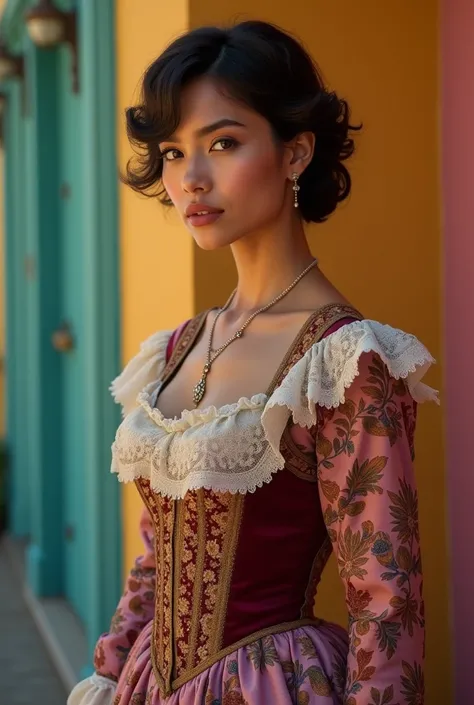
x=269, y=432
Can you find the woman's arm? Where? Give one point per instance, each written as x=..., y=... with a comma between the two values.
x=367, y=489
x=134, y=611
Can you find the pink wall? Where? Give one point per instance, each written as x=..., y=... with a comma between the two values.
x=457, y=170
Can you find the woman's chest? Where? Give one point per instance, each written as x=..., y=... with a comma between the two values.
x=246, y=367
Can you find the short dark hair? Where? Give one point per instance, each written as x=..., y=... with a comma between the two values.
x=268, y=70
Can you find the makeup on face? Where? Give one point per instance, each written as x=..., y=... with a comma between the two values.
x=221, y=168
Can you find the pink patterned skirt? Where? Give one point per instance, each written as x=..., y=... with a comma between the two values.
x=303, y=666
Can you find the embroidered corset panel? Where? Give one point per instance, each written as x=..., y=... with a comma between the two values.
x=230, y=566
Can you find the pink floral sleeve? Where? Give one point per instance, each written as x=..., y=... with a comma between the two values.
x=134, y=611
x=365, y=451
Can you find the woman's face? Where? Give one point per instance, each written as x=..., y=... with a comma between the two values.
x=224, y=157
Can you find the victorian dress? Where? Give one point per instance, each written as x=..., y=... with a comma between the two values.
x=243, y=506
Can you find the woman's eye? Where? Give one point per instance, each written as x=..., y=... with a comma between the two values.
x=222, y=145
x=169, y=155
x=226, y=143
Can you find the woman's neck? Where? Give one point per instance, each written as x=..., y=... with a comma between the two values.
x=266, y=266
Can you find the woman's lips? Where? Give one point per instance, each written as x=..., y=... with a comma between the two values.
x=198, y=221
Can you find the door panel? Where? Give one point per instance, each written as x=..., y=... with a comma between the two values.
x=72, y=361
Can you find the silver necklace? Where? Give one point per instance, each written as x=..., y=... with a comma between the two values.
x=199, y=389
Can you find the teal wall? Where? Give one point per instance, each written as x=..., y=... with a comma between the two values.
x=62, y=258
x=15, y=299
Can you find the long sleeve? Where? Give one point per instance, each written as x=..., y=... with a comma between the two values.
x=134, y=611
x=365, y=450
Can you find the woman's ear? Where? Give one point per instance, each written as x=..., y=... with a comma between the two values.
x=301, y=150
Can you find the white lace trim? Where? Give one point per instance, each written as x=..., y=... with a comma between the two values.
x=147, y=365
x=223, y=449
x=95, y=690
x=329, y=367
x=195, y=417
x=241, y=482
x=236, y=448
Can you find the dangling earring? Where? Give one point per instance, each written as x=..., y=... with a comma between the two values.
x=296, y=188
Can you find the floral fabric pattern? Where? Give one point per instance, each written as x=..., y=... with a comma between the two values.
x=134, y=611
x=365, y=449
x=304, y=666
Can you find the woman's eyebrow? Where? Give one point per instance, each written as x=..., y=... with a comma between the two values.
x=208, y=129
x=225, y=122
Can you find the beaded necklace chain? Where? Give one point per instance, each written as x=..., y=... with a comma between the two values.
x=199, y=389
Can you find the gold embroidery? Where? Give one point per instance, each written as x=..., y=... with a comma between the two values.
x=168, y=572
x=198, y=559
x=231, y=538
x=180, y=600
x=182, y=347
x=162, y=511
x=216, y=517
x=195, y=540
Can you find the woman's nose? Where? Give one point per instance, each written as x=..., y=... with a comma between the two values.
x=196, y=178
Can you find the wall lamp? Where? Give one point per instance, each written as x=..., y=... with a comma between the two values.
x=48, y=27
x=10, y=66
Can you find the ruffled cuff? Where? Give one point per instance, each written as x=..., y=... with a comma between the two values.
x=95, y=690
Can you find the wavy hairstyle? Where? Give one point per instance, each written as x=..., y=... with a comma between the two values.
x=268, y=70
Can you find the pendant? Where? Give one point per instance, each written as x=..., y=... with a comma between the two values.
x=199, y=389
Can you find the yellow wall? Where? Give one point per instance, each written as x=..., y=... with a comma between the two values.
x=382, y=248
x=156, y=256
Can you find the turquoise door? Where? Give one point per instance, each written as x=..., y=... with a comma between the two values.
x=18, y=335
x=62, y=257
x=71, y=285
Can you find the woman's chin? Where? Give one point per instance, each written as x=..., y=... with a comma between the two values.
x=210, y=240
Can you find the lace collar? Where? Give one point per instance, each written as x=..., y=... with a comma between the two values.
x=236, y=447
